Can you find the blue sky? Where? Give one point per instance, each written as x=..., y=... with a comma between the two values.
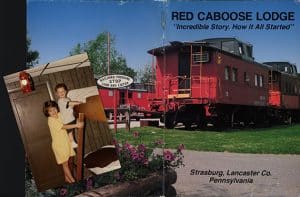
x=55, y=27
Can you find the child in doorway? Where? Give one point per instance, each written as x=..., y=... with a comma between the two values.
x=61, y=144
x=66, y=109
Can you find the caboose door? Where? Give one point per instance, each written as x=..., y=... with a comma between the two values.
x=184, y=70
x=36, y=137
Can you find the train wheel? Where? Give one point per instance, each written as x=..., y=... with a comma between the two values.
x=170, y=120
x=188, y=125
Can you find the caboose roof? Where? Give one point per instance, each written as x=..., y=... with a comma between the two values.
x=210, y=42
x=207, y=43
x=283, y=67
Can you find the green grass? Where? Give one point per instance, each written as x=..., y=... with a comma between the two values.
x=275, y=140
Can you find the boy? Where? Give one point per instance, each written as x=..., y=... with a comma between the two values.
x=66, y=109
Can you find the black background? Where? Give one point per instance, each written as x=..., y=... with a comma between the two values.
x=12, y=59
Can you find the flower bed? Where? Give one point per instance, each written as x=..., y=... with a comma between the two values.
x=144, y=171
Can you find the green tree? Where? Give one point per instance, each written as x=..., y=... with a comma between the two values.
x=146, y=74
x=32, y=57
x=97, y=52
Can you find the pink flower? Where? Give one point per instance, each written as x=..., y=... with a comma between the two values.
x=146, y=162
x=136, y=134
x=63, y=192
x=180, y=147
x=159, y=142
x=168, y=155
x=115, y=142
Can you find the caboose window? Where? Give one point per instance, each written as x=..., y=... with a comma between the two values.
x=246, y=77
x=228, y=46
x=241, y=49
x=139, y=95
x=199, y=57
x=234, y=74
x=110, y=93
x=261, y=80
x=256, y=80
x=227, y=71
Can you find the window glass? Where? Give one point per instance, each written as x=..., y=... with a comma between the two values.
x=261, y=80
x=234, y=74
x=110, y=93
x=228, y=46
x=227, y=71
x=249, y=51
x=199, y=57
x=246, y=77
x=256, y=80
x=241, y=49
x=139, y=95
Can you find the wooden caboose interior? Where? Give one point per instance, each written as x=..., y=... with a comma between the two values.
x=76, y=73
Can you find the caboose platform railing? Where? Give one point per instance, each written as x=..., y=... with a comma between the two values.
x=179, y=85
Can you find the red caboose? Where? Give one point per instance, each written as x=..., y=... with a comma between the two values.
x=135, y=97
x=284, y=91
x=213, y=81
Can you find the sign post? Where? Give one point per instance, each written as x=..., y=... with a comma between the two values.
x=114, y=82
x=115, y=110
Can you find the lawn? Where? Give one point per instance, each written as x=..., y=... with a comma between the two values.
x=275, y=140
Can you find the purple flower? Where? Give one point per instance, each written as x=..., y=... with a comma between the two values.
x=117, y=175
x=135, y=156
x=128, y=146
x=136, y=134
x=141, y=147
x=63, y=192
x=142, y=155
x=89, y=184
x=168, y=156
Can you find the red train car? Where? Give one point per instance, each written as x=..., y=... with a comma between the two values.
x=212, y=81
x=136, y=98
x=284, y=91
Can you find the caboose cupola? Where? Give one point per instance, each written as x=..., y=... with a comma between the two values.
x=233, y=46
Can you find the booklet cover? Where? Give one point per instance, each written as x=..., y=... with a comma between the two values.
x=213, y=110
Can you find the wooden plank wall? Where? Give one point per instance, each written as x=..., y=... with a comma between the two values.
x=97, y=133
